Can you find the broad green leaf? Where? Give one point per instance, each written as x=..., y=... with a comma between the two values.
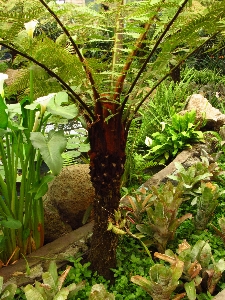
x=84, y=148
x=14, y=108
x=62, y=294
x=41, y=189
x=55, y=107
x=68, y=112
x=50, y=148
x=11, y=223
x=49, y=280
x=53, y=271
x=9, y=292
x=60, y=98
x=190, y=290
x=32, y=293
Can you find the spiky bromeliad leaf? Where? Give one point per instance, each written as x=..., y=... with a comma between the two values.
x=50, y=148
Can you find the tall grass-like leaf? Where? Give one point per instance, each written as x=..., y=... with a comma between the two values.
x=50, y=148
x=3, y=114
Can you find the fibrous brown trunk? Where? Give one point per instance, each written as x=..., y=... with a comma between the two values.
x=107, y=158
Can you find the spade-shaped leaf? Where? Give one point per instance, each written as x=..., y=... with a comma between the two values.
x=55, y=107
x=50, y=148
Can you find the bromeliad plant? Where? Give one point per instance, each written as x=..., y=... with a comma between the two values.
x=52, y=286
x=154, y=215
x=206, y=204
x=163, y=279
x=23, y=147
x=199, y=189
x=162, y=221
x=181, y=133
x=194, y=266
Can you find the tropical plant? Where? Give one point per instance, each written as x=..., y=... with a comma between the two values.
x=23, y=147
x=147, y=35
x=192, y=177
x=194, y=266
x=162, y=221
x=174, y=137
x=8, y=292
x=169, y=99
x=163, y=279
x=199, y=265
x=99, y=292
x=52, y=286
x=153, y=214
x=206, y=203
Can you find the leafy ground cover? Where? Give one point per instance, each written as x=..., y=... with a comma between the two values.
x=133, y=259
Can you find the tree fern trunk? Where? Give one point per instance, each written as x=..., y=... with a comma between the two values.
x=107, y=158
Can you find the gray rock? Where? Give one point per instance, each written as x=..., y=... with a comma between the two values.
x=187, y=158
x=205, y=112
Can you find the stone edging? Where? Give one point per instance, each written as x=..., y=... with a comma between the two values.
x=68, y=245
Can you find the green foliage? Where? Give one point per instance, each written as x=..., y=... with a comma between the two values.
x=174, y=137
x=169, y=99
x=199, y=264
x=197, y=185
x=22, y=134
x=192, y=177
x=51, y=288
x=154, y=215
x=195, y=266
x=50, y=148
x=206, y=205
x=162, y=220
x=163, y=280
x=8, y=292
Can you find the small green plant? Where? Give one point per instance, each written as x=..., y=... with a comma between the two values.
x=206, y=202
x=162, y=219
x=194, y=266
x=155, y=215
x=175, y=136
x=199, y=265
x=135, y=206
x=51, y=288
x=99, y=292
x=193, y=176
x=8, y=292
x=163, y=279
